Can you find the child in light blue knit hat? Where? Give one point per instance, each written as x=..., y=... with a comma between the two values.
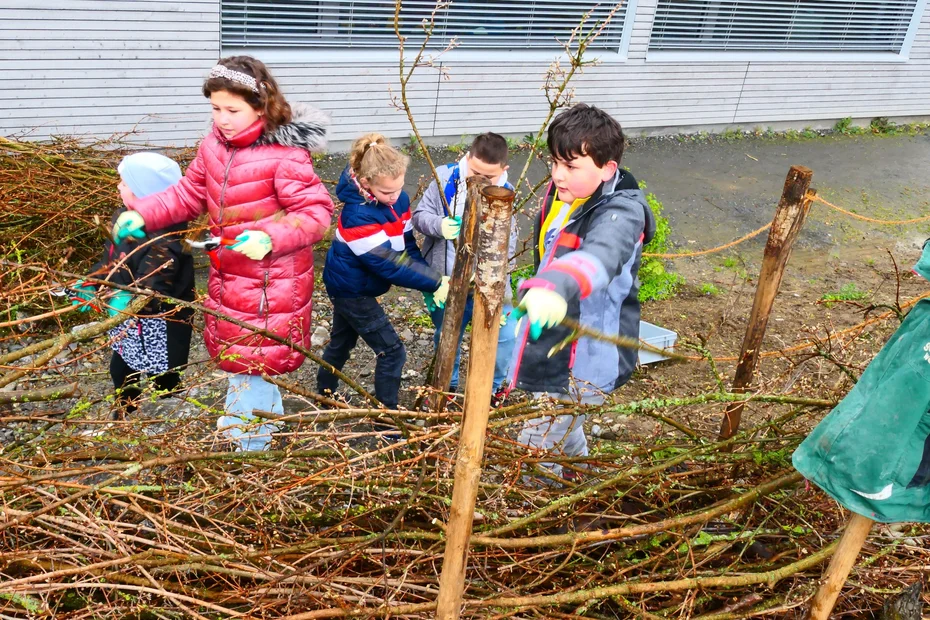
x=157, y=341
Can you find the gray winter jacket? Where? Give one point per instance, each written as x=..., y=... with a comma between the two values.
x=593, y=264
x=427, y=218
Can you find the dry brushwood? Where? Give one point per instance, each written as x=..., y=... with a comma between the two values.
x=154, y=516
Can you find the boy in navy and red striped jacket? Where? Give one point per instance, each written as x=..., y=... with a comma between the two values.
x=373, y=248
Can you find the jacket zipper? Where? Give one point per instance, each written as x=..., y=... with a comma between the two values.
x=232, y=154
x=219, y=250
x=263, y=303
x=515, y=373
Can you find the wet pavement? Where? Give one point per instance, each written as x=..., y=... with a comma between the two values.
x=714, y=191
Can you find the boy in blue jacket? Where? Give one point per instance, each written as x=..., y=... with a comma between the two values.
x=590, y=232
x=373, y=249
x=440, y=224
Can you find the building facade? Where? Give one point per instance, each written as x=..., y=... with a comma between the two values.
x=96, y=68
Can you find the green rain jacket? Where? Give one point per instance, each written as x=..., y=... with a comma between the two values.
x=872, y=452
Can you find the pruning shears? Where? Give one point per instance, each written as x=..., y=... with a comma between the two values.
x=74, y=295
x=212, y=244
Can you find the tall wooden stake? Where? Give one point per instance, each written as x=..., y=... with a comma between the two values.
x=490, y=279
x=459, y=287
x=789, y=218
x=857, y=529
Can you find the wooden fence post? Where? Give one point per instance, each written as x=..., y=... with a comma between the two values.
x=459, y=287
x=490, y=280
x=789, y=218
x=857, y=530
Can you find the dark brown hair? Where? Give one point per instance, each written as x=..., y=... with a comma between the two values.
x=268, y=100
x=490, y=148
x=586, y=130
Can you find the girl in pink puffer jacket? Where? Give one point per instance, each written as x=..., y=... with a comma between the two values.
x=254, y=176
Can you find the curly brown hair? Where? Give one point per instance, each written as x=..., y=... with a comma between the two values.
x=268, y=100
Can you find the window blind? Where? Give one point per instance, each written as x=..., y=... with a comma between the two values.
x=776, y=25
x=498, y=24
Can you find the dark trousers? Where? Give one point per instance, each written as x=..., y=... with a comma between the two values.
x=127, y=380
x=363, y=316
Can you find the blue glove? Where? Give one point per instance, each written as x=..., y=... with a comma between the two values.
x=117, y=304
x=544, y=308
x=81, y=295
x=128, y=224
x=430, y=302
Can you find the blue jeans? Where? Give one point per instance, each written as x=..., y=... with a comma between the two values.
x=363, y=316
x=244, y=394
x=505, y=343
x=437, y=316
x=506, y=340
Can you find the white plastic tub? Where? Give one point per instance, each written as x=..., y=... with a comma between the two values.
x=658, y=337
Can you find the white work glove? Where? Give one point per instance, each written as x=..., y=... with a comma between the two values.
x=441, y=293
x=544, y=308
x=128, y=224
x=451, y=227
x=253, y=243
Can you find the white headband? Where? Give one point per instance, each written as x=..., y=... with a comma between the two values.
x=219, y=71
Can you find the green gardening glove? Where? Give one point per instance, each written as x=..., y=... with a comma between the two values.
x=128, y=224
x=255, y=244
x=544, y=308
x=81, y=295
x=451, y=227
x=118, y=303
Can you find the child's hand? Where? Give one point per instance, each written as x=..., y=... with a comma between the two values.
x=126, y=195
x=253, y=243
x=128, y=224
x=118, y=303
x=451, y=227
x=544, y=308
x=440, y=294
x=81, y=295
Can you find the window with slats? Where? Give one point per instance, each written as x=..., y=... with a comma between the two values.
x=780, y=25
x=497, y=24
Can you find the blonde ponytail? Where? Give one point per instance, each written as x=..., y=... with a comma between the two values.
x=372, y=156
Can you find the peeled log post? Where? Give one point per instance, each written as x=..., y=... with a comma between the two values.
x=490, y=280
x=789, y=218
x=459, y=287
x=857, y=530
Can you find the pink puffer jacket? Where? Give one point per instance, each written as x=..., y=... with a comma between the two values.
x=255, y=181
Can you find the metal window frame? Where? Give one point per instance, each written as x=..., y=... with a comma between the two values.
x=811, y=56
x=285, y=53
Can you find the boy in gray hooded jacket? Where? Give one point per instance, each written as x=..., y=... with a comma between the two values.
x=590, y=232
x=440, y=226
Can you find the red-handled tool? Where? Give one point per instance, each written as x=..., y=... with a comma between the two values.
x=212, y=244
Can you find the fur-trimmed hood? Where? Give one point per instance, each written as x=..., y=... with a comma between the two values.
x=307, y=129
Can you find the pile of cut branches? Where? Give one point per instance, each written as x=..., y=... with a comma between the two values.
x=153, y=516
x=58, y=197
